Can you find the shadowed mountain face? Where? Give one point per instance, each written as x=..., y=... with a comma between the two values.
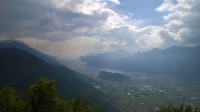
x=19, y=69
x=22, y=46
x=182, y=61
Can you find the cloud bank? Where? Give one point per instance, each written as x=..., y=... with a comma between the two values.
x=70, y=28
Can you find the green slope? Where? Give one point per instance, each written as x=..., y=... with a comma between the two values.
x=19, y=69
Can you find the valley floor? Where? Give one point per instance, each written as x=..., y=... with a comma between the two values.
x=145, y=92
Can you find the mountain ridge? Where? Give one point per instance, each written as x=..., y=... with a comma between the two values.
x=176, y=60
x=23, y=46
x=19, y=69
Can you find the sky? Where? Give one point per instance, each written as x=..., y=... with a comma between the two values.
x=68, y=29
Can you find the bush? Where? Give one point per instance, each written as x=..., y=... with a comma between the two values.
x=42, y=98
x=181, y=108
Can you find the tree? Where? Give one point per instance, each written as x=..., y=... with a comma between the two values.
x=82, y=105
x=43, y=97
x=10, y=101
x=64, y=106
x=171, y=108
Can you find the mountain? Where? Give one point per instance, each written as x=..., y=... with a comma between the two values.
x=177, y=60
x=20, y=69
x=116, y=77
x=22, y=46
x=105, y=60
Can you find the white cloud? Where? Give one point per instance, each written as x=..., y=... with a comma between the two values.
x=81, y=6
x=67, y=49
x=182, y=21
x=115, y=1
x=71, y=22
x=70, y=28
x=166, y=6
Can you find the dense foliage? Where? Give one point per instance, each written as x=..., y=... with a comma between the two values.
x=181, y=108
x=42, y=98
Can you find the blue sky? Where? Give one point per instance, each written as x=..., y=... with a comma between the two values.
x=142, y=10
x=68, y=29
